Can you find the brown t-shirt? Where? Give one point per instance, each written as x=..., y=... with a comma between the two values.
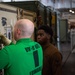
x=52, y=61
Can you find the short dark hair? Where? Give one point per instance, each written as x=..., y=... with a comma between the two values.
x=47, y=29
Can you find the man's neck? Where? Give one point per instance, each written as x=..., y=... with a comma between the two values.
x=45, y=45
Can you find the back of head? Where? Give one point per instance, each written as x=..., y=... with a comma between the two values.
x=24, y=28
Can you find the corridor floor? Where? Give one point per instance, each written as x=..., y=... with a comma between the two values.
x=68, y=65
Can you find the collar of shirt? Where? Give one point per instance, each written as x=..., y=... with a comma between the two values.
x=25, y=40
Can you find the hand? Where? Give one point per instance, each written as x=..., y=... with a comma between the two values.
x=5, y=40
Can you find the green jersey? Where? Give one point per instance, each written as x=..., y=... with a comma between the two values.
x=23, y=58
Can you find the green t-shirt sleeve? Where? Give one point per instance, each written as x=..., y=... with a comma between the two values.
x=4, y=58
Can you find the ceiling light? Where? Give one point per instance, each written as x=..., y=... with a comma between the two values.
x=70, y=10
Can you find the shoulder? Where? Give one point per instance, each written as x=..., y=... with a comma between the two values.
x=9, y=47
x=37, y=44
x=53, y=51
x=57, y=53
x=5, y=50
x=53, y=47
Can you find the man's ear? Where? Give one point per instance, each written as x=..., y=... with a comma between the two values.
x=18, y=31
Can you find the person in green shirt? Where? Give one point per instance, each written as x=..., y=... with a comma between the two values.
x=26, y=56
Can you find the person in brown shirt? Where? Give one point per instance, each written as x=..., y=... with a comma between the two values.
x=52, y=64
